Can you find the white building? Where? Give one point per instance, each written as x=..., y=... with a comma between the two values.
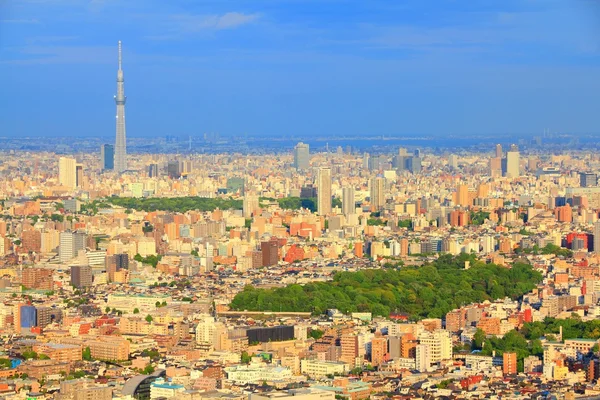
x=67, y=172
x=257, y=373
x=439, y=343
x=320, y=369
x=206, y=330
x=161, y=388
x=423, y=358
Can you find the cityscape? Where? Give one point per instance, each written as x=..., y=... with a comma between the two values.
x=296, y=266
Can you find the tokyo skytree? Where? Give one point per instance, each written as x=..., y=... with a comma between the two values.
x=120, y=146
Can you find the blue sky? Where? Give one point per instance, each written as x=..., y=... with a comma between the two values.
x=301, y=67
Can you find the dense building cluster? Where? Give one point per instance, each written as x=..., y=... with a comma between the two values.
x=256, y=276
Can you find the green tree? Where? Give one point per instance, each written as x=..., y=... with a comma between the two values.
x=86, y=354
x=246, y=358
x=478, y=339
x=148, y=370
x=136, y=310
x=149, y=318
x=316, y=334
x=30, y=355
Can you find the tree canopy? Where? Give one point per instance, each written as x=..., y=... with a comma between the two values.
x=429, y=291
x=176, y=204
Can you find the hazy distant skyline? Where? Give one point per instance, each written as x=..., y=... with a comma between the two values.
x=300, y=67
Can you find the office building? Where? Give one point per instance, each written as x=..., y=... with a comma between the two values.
x=498, y=151
x=173, y=170
x=270, y=252
x=70, y=243
x=48, y=315
x=107, y=157
x=78, y=175
x=28, y=316
x=67, y=172
x=324, y=191
x=462, y=195
x=511, y=164
x=81, y=276
x=120, y=143
x=348, y=201
x=597, y=237
x=308, y=192
x=250, y=205
x=153, y=170
x=587, y=179
x=377, y=192
x=302, y=156
x=206, y=330
x=236, y=185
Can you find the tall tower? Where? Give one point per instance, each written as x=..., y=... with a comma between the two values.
x=377, y=193
x=302, y=156
x=67, y=172
x=120, y=147
x=348, y=204
x=324, y=191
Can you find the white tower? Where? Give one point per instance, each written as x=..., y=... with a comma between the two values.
x=120, y=146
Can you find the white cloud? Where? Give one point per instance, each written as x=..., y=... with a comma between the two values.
x=195, y=23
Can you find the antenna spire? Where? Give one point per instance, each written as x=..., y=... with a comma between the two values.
x=119, y=54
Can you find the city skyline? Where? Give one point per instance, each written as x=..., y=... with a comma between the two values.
x=305, y=69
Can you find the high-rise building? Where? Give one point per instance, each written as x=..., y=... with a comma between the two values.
x=206, y=330
x=350, y=348
x=587, y=179
x=107, y=157
x=302, y=156
x=498, y=150
x=270, y=252
x=249, y=205
x=70, y=243
x=78, y=175
x=174, y=170
x=509, y=363
x=120, y=143
x=153, y=170
x=377, y=192
x=81, y=276
x=512, y=163
x=462, y=195
x=439, y=343
x=379, y=349
x=28, y=316
x=453, y=161
x=324, y=191
x=67, y=172
x=366, y=162
x=422, y=357
x=597, y=237
x=348, y=201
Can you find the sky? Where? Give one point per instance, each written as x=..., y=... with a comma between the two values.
x=301, y=67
